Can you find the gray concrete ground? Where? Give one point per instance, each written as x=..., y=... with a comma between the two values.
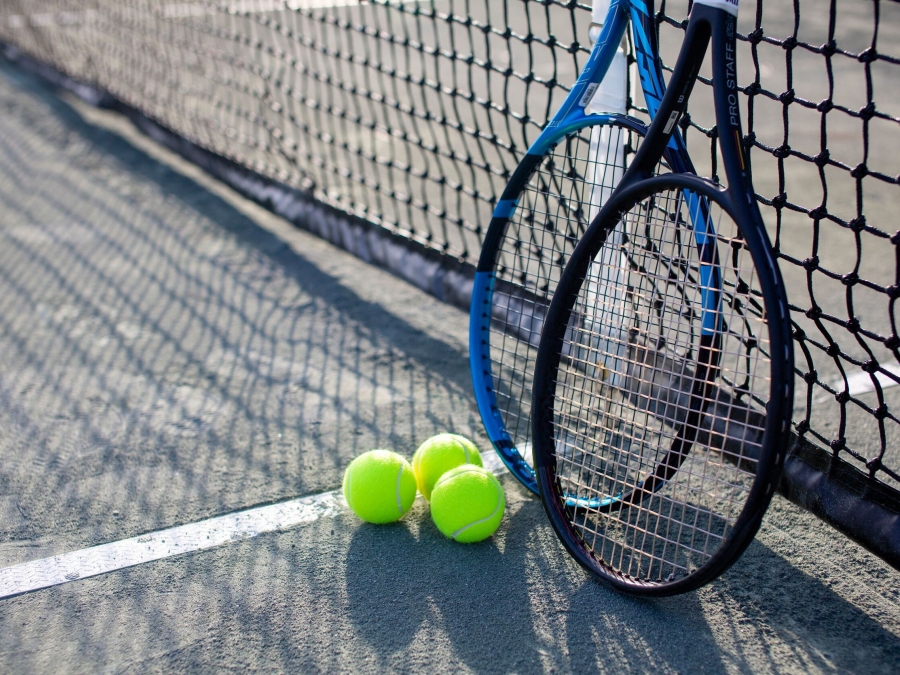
x=171, y=352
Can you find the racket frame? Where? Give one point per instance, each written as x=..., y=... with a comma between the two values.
x=560, y=505
x=707, y=23
x=569, y=118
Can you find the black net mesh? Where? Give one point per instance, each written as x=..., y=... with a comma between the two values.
x=412, y=115
x=822, y=118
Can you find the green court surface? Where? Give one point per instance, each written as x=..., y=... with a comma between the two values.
x=170, y=353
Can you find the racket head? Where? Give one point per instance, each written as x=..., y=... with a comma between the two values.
x=544, y=210
x=642, y=494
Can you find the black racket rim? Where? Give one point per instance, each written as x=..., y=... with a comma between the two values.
x=776, y=432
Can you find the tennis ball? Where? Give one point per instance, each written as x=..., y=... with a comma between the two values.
x=379, y=486
x=467, y=504
x=438, y=455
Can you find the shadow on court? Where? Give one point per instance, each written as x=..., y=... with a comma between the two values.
x=167, y=359
x=528, y=609
x=342, y=596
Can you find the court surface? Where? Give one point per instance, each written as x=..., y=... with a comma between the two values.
x=172, y=353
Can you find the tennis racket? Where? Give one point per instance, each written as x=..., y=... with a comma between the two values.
x=557, y=189
x=657, y=459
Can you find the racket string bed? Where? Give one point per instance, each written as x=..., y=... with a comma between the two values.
x=610, y=439
x=552, y=214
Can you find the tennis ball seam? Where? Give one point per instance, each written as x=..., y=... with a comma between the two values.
x=486, y=518
x=397, y=490
x=464, y=447
x=497, y=489
x=370, y=472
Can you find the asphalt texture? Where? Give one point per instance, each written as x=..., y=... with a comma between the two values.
x=171, y=352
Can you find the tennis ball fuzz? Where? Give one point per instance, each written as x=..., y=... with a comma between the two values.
x=379, y=486
x=438, y=455
x=467, y=504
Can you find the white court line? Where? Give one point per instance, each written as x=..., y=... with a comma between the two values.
x=90, y=562
x=861, y=383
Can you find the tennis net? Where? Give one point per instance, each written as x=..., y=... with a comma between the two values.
x=392, y=126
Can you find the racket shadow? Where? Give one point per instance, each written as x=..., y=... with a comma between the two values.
x=406, y=581
x=385, y=602
x=762, y=615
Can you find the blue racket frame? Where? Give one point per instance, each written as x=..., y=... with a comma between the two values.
x=570, y=118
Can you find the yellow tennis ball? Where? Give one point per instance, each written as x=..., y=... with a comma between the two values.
x=379, y=486
x=467, y=504
x=438, y=455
